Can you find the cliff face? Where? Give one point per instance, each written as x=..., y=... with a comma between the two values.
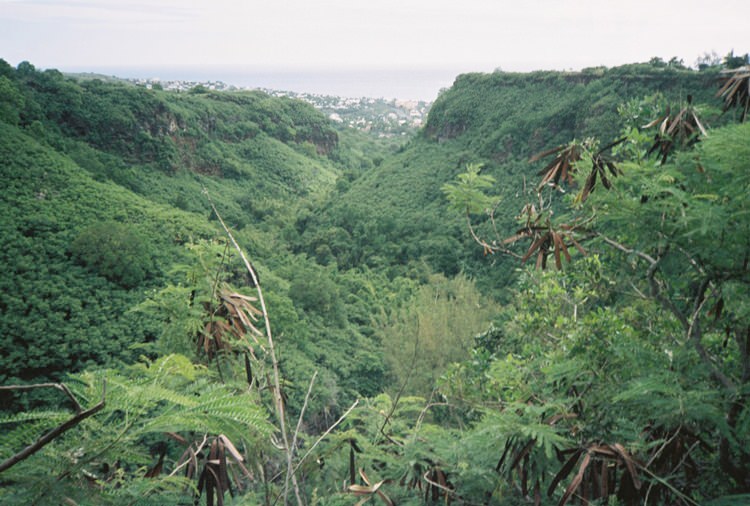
x=325, y=140
x=538, y=109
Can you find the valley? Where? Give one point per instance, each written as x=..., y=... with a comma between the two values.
x=532, y=289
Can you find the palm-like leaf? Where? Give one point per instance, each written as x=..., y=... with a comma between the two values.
x=213, y=470
x=562, y=166
x=735, y=90
x=370, y=490
x=234, y=315
x=597, y=481
x=678, y=130
x=600, y=166
x=546, y=240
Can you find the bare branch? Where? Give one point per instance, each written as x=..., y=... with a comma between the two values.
x=691, y=324
x=187, y=461
x=693, y=261
x=488, y=248
x=289, y=470
x=438, y=485
x=656, y=288
x=60, y=386
x=424, y=411
x=651, y=260
x=694, y=334
x=57, y=431
x=323, y=436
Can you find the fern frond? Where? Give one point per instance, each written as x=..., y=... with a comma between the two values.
x=53, y=417
x=171, y=366
x=219, y=412
x=656, y=394
x=545, y=436
x=147, y=491
x=16, y=438
x=169, y=394
x=147, y=394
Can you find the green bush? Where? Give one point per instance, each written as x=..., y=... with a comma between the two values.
x=11, y=101
x=114, y=250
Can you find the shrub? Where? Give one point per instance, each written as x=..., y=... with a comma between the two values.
x=115, y=251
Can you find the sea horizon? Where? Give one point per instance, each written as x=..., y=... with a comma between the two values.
x=389, y=83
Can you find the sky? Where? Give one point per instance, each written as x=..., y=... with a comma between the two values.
x=467, y=35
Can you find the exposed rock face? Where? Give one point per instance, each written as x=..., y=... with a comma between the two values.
x=325, y=141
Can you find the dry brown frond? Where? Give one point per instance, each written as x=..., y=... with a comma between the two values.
x=735, y=90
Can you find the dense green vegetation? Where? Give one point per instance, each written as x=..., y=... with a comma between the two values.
x=104, y=190
x=371, y=350
x=497, y=120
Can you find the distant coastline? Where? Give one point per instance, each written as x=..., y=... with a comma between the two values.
x=400, y=83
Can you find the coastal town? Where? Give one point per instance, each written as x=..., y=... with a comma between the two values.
x=380, y=116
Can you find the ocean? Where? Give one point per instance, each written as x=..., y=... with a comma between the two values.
x=400, y=83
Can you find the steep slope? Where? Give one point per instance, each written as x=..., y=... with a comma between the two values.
x=105, y=185
x=58, y=314
x=396, y=215
x=103, y=188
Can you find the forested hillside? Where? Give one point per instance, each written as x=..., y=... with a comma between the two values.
x=497, y=120
x=105, y=196
x=223, y=298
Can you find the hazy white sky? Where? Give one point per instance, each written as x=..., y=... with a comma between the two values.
x=465, y=34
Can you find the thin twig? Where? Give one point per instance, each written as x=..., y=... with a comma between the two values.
x=692, y=261
x=668, y=485
x=215, y=308
x=420, y=419
x=60, y=386
x=484, y=244
x=317, y=442
x=651, y=260
x=690, y=324
x=663, y=446
x=438, y=485
x=400, y=392
x=289, y=470
x=196, y=451
x=694, y=335
x=656, y=288
x=637, y=290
